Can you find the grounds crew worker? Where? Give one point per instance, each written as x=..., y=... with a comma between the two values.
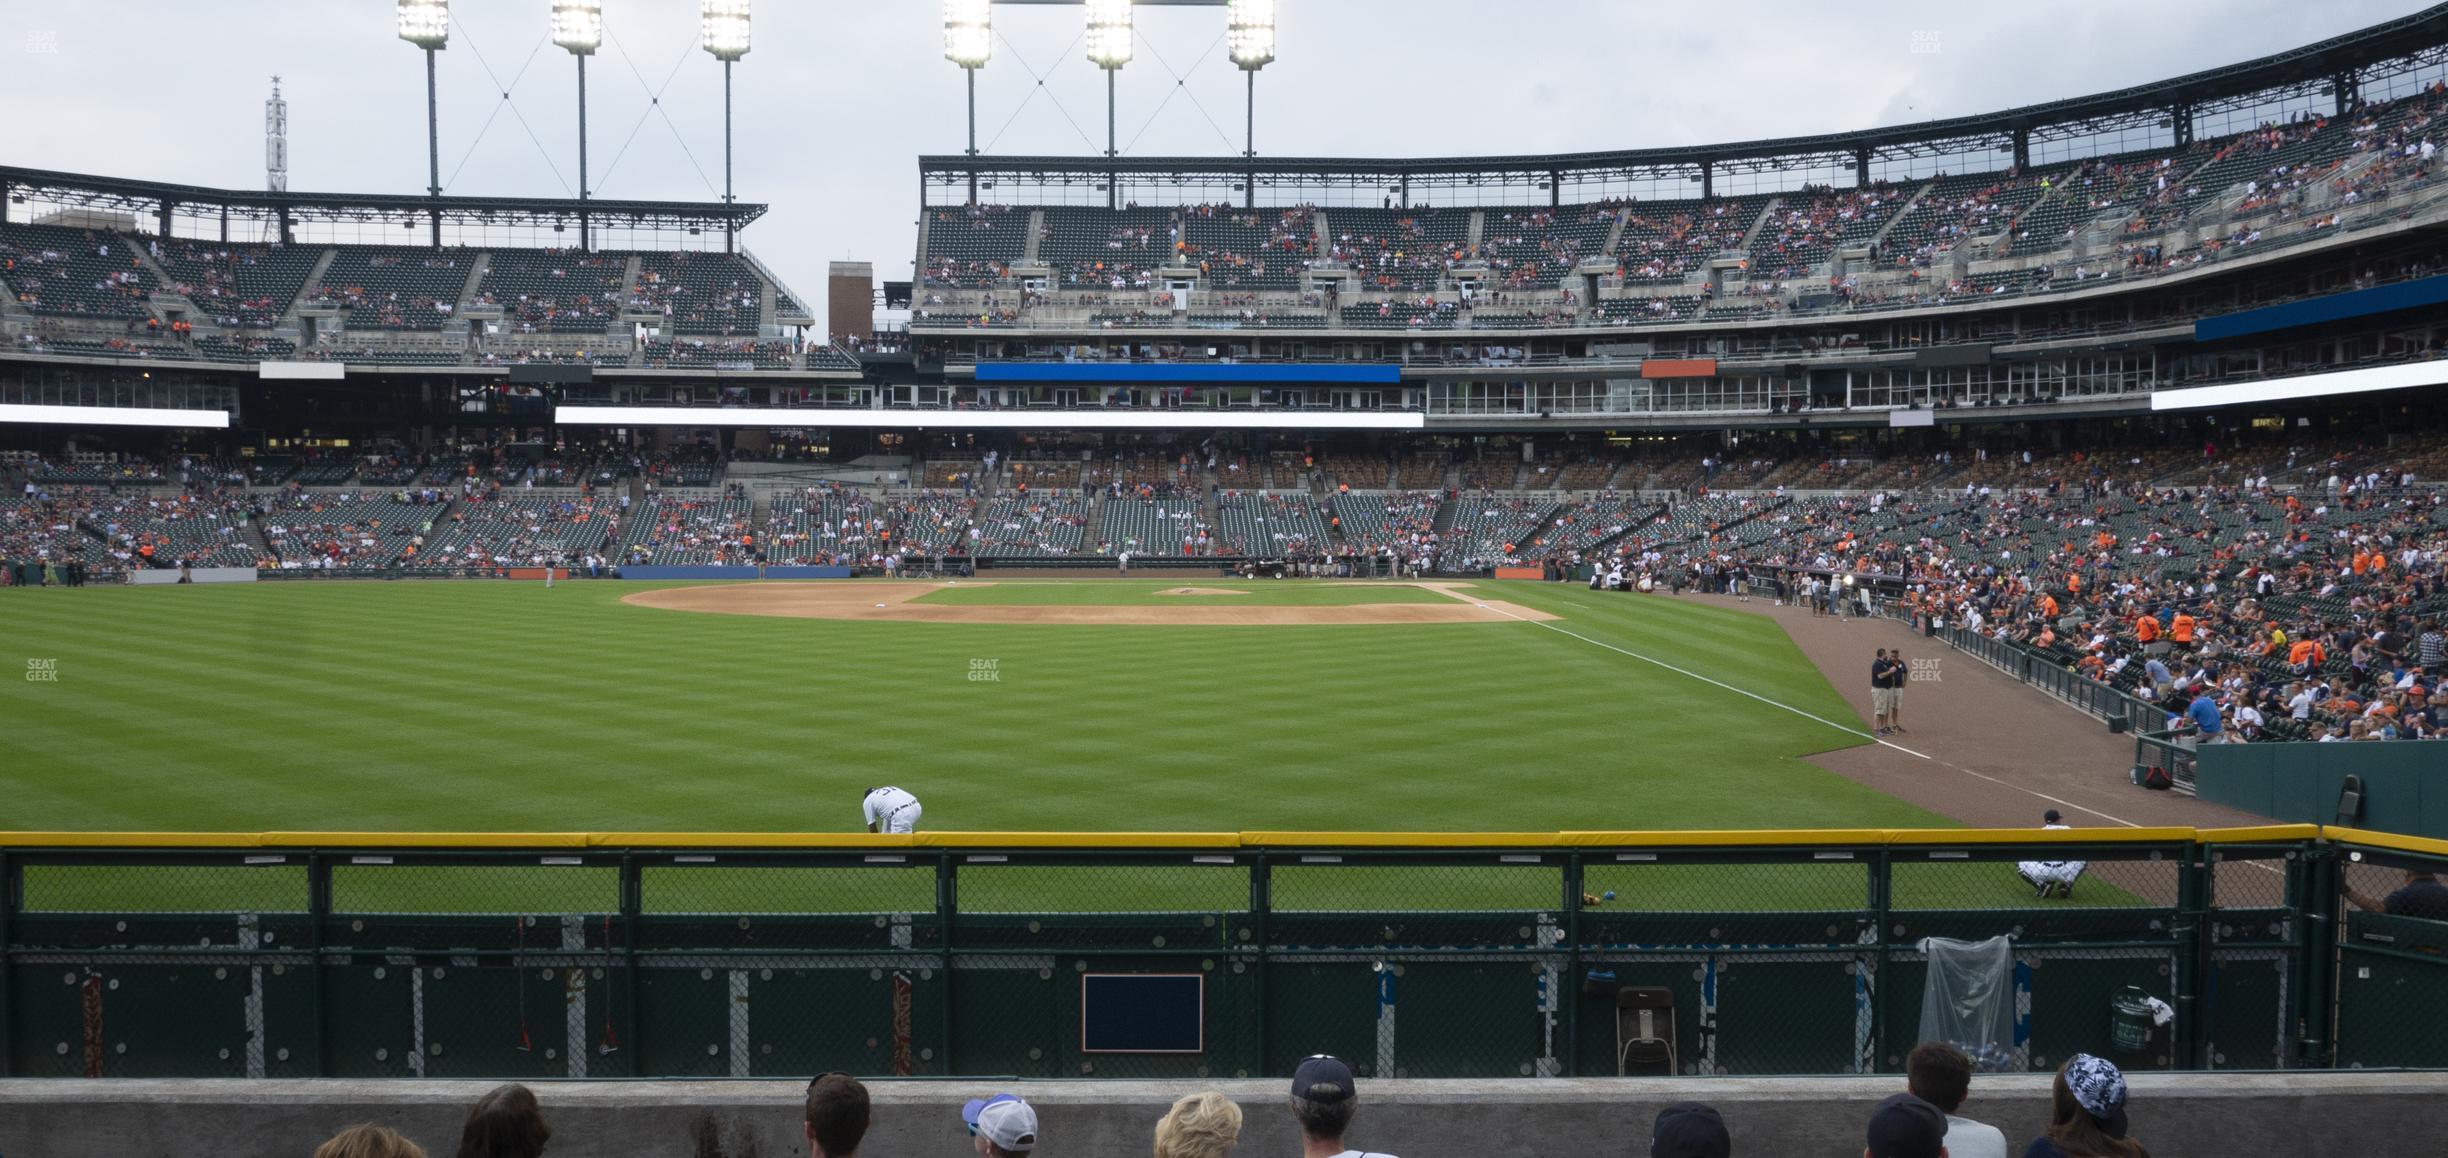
x=890, y=810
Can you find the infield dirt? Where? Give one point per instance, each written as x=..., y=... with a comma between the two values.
x=894, y=602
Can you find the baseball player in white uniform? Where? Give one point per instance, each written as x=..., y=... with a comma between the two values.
x=2052, y=876
x=890, y=810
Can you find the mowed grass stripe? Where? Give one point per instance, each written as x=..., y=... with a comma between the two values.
x=498, y=706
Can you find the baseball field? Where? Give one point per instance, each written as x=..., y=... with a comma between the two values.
x=1092, y=705
x=1084, y=705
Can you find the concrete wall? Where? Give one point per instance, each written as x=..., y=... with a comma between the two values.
x=2365, y=1114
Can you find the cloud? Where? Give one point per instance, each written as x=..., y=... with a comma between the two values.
x=837, y=100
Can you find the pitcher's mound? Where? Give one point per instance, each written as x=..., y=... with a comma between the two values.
x=1200, y=591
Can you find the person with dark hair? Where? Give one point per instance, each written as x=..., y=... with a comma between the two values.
x=2421, y=896
x=889, y=810
x=1904, y=1126
x=2087, y=1114
x=1689, y=1130
x=1324, y=1099
x=837, y=1115
x=1940, y=1074
x=505, y=1123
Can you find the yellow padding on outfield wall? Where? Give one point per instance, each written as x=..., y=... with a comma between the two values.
x=1197, y=841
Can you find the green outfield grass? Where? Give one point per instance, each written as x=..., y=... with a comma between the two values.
x=509, y=707
x=497, y=706
x=1151, y=593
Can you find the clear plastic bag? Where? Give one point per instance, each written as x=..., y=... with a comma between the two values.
x=1969, y=1001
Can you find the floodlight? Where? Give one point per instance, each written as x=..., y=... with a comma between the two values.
x=725, y=28
x=577, y=25
x=1250, y=33
x=968, y=32
x=1109, y=33
x=425, y=23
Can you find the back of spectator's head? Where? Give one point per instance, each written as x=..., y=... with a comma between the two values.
x=1003, y=1125
x=837, y=1115
x=1202, y=1125
x=1940, y=1074
x=2051, y=816
x=368, y=1141
x=1324, y=1097
x=1689, y=1130
x=1904, y=1126
x=505, y=1123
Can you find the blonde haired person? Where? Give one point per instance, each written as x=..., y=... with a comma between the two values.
x=1202, y=1125
x=368, y=1140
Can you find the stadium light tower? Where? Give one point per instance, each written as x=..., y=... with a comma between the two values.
x=723, y=25
x=1250, y=33
x=969, y=43
x=577, y=25
x=1109, y=48
x=426, y=24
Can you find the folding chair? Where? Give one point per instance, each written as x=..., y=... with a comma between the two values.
x=1644, y=1031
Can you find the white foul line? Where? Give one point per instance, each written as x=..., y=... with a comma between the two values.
x=1848, y=730
x=1808, y=716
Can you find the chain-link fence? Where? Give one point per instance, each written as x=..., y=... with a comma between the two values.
x=1684, y=954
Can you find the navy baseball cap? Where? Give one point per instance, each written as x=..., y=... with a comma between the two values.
x=1323, y=1079
x=1904, y=1126
x=1689, y=1130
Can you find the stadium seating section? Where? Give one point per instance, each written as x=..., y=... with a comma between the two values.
x=554, y=292
x=74, y=273
x=240, y=287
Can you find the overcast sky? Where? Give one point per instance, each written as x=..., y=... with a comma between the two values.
x=839, y=98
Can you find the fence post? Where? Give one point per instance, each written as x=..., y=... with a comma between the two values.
x=1882, y=896
x=947, y=904
x=318, y=913
x=632, y=907
x=2320, y=914
x=8, y=905
x=1262, y=898
x=1568, y=988
x=2192, y=933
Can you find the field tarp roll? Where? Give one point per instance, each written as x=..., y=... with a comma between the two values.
x=201, y=574
x=667, y=573
x=688, y=573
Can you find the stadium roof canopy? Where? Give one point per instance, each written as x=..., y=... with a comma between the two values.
x=162, y=199
x=2340, y=67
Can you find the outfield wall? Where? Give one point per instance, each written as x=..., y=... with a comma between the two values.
x=2370, y=1115
x=953, y=955
x=2403, y=789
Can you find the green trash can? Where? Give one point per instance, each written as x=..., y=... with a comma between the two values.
x=2129, y=1020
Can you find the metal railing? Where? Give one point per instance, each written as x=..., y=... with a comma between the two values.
x=611, y=955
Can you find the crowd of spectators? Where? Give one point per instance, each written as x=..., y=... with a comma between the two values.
x=2088, y=1116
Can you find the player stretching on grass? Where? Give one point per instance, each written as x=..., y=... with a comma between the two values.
x=889, y=810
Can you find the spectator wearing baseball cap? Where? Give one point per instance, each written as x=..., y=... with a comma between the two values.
x=1904, y=1126
x=2087, y=1114
x=1689, y=1130
x=1004, y=1126
x=837, y=1116
x=1324, y=1099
